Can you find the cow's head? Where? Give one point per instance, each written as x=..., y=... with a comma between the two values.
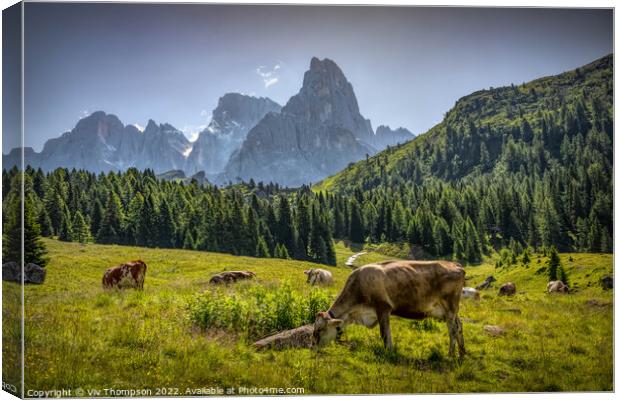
x=309, y=273
x=326, y=329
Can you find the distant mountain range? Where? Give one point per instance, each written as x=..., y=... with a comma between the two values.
x=317, y=133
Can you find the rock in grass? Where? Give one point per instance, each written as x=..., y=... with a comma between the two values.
x=11, y=271
x=607, y=282
x=34, y=273
x=494, y=330
x=293, y=338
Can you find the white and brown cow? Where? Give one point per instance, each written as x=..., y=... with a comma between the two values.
x=470, y=293
x=408, y=289
x=318, y=276
x=557, y=287
x=127, y=275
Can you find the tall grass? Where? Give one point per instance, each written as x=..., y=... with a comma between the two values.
x=256, y=311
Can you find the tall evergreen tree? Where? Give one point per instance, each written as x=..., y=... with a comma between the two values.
x=111, y=225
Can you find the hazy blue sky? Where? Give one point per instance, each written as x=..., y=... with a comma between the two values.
x=172, y=62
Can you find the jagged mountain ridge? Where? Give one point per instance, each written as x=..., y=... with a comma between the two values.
x=100, y=142
x=319, y=131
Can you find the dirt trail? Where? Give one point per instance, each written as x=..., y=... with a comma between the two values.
x=351, y=260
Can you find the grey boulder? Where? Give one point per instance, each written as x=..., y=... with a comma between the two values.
x=11, y=271
x=34, y=273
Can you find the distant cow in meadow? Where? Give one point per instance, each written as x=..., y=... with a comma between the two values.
x=508, y=289
x=487, y=282
x=231, y=277
x=408, y=289
x=318, y=276
x=557, y=287
x=470, y=293
x=128, y=275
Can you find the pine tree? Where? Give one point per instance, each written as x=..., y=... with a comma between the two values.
x=45, y=223
x=34, y=249
x=525, y=257
x=262, y=250
x=81, y=230
x=281, y=251
x=554, y=264
x=111, y=225
x=188, y=240
x=97, y=216
x=65, y=233
x=285, y=232
x=165, y=224
x=356, y=227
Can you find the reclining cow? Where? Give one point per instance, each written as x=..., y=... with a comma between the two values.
x=231, y=277
x=408, y=289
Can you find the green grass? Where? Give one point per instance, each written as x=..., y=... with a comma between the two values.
x=78, y=336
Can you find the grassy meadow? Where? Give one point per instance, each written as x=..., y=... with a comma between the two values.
x=79, y=336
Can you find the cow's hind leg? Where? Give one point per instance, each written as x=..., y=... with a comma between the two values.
x=451, y=325
x=383, y=316
x=459, y=337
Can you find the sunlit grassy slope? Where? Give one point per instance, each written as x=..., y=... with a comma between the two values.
x=78, y=336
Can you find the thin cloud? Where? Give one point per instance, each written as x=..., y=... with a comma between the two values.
x=269, y=76
x=271, y=82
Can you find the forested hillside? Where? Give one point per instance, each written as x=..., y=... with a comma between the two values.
x=135, y=208
x=532, y=163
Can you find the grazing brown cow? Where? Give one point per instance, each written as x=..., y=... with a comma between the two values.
x=128, y=275
x=408, y=289
x=508, y=289
x=557, y=287
x=231, y=277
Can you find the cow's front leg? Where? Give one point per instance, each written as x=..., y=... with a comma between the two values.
x=384, y=326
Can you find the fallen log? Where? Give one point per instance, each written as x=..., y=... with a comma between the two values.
x=291, y=339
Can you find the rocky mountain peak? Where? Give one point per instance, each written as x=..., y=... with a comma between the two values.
x=317, y=132
x=151, y=127
x=325, y=91
x=240, y=109
x=231, y=121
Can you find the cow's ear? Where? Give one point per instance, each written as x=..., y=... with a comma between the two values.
x=307, y=271
x=335, y=323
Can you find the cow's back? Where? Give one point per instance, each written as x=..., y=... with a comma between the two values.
x=406, y=285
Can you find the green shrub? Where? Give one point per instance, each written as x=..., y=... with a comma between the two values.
x=256, y=311
x=427, y=325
